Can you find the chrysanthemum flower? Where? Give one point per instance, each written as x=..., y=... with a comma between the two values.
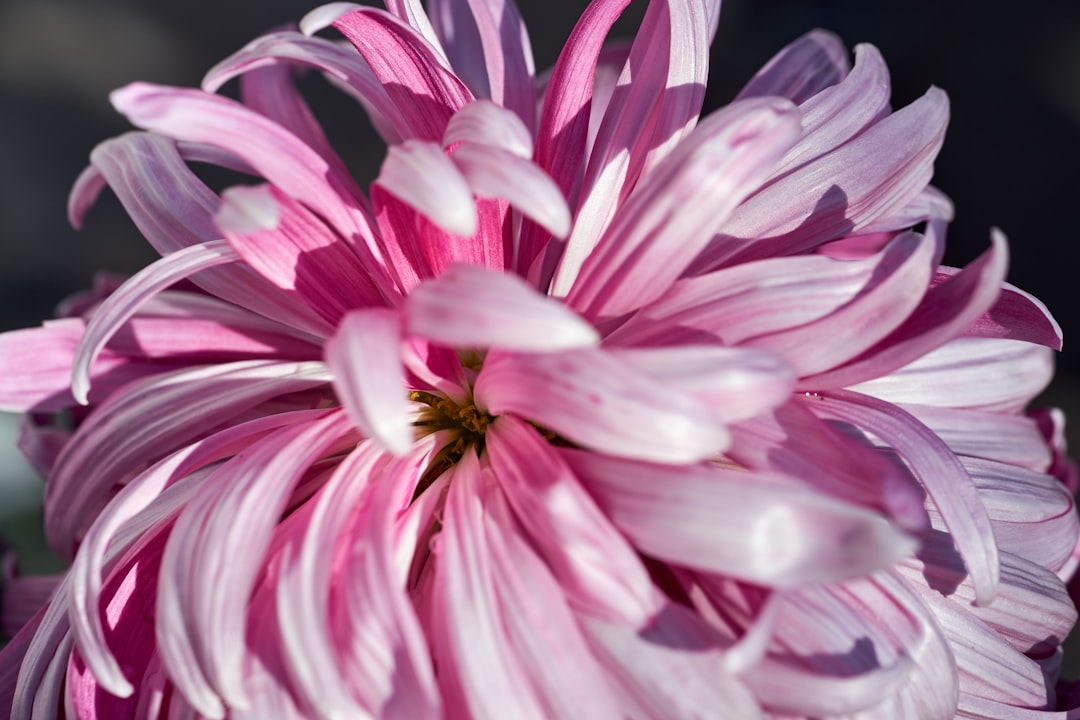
x=590, y=408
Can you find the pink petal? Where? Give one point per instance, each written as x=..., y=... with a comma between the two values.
x=735, y=383
x=539, y=625
x=564, y=122
x=1012, y=439
x=480, y=675
x=802, y=69
x=149, y=418
x=870, y=177
x=594, y=565
x=591, y=398
x=485, y=123
x=44, y=645
x=343, y=66
x=664, y=81
x=423, y=92
x=24, y=595
x=1015, y=315
x=219, y=541
x=126, y=301
x=157, y=494
x=471, y=306
x=424, y=177
x=794, y=442
x=272, y=151
x=294, y=251
x=672, y=668
x=944, y=312
x=745, y=525
x=879, y=307
x=947, y=483
x=839, y=113
x=673, y=212
x=365, y=358
x=978, y=373
x=174, y=209
x=495, y=173
x=489, y=39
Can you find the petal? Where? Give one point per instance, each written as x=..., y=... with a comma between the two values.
x=480, y=674
x=802, y=69
x=424, y=93
x=342, y=66
x=274, y=152
x=591, y=398
x=674, y=211
x=946, y=481
x=294, y=251
x=424, y=177
x=977, y=373
x=365, y=358
x=483, y=122
x=148, y=419
x=593, y=564
x=1016, y=315
x=735, y=383
x=879, y=307
x=125, y=302
x=1012, y=439
x=495, y=173
x=874, y=174
x=745, y=525
x=944, y=312
x=471, y=306
x=673, y=668
x=219, y=541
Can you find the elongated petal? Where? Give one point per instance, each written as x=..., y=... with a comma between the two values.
x=595, y=566
x=978, y=373
x=294, y=251
x=738, y=523
x=1016, y=315
x=945, y=479
x=495, y=173
x=802, y=69
x=125, y=302
x=881, y=305
x=944, y=312
x=673, y=668
x=480, y=675
x=484, y=122
x=424, y=93
x=734, y=382
x=421, y=174
x=201, y=634
x=593, y=399
x=1012, y=439
x=539, y=625
x=874, y=174
x=148, y=419
x=365, y=358
x=272, y=151
x=350, y=71
x=673, y=213
x=470, y=306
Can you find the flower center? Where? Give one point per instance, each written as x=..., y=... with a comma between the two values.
x=467, y=422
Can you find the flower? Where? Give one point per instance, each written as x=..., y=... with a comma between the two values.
x=590, y=408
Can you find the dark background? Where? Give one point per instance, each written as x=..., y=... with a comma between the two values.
x=1011, y=157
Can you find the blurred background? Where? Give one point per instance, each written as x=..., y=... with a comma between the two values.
x=1011, y=158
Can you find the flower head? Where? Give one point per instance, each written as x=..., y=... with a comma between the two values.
x=590, y=407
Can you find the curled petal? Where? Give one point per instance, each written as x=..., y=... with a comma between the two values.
x=802, y=69
x=590, y=397
x=365, y=358
x=421, y=175
x=749, y=526
x=471, y=306
x=485, y=123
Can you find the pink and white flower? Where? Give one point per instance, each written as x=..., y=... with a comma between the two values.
x=590, y=407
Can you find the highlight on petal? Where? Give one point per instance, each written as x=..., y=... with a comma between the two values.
x=484, y=122
x=472, y=306
x=424, y=177
x=125, y=302
x=365, y=358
